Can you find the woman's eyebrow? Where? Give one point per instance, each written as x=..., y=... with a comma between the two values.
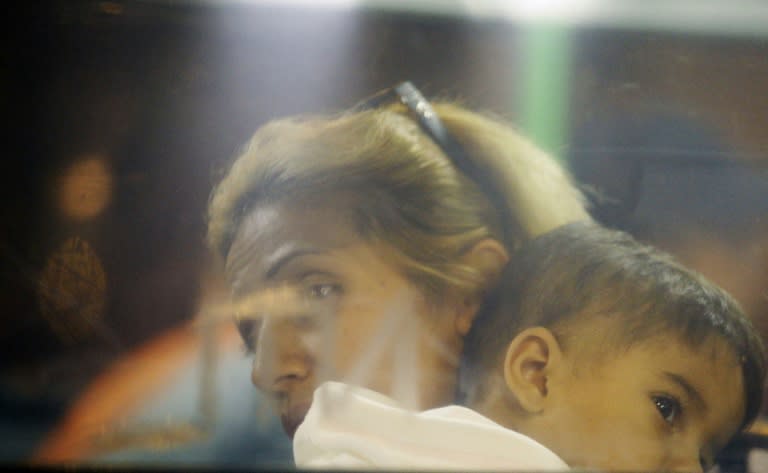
x=283, y=259
x=690, y=391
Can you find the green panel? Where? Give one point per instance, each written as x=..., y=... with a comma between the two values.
x=545, y=77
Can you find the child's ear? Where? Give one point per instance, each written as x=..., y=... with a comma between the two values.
x=530, y=359
x=489, y=258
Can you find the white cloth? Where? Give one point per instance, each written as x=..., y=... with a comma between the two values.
x=350, y=427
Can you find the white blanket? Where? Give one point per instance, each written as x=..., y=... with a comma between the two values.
x=350, y=427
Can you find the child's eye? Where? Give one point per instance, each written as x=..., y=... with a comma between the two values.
x=668, y=407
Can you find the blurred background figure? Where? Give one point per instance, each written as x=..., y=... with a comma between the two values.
x=674, y=182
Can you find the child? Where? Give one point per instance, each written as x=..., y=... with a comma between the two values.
x=613, y=356
x=595, y=352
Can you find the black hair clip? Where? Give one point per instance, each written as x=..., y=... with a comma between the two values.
x=421, y=110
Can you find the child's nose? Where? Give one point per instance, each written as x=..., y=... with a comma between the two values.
x=688, y=461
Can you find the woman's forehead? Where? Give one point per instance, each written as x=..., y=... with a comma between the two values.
x=325, y=220
x=271, y=229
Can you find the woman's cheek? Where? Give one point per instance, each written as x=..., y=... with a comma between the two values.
x=350, y=338
x=319, y=343
x=333, y=344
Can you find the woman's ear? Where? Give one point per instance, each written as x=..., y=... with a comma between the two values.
x=530, y=359
x=489, y=258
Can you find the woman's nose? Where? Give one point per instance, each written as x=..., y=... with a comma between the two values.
x=281, y=358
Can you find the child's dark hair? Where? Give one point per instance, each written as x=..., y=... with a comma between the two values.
x=586, y=271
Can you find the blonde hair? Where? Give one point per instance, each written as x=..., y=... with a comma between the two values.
x=407, y=194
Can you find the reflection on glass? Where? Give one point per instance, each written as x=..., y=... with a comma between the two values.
x=659, y=111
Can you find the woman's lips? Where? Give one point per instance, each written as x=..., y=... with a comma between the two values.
x=292, y=418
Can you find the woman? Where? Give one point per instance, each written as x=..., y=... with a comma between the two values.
x=359, y=246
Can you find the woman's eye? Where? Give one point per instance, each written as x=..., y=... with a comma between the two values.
x=248, y=332
x=706, y=465
x=668, y=407
x=323, y=290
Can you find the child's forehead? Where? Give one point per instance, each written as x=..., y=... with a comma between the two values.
x=707, y=350
x=610, y=337
x=668, y=359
